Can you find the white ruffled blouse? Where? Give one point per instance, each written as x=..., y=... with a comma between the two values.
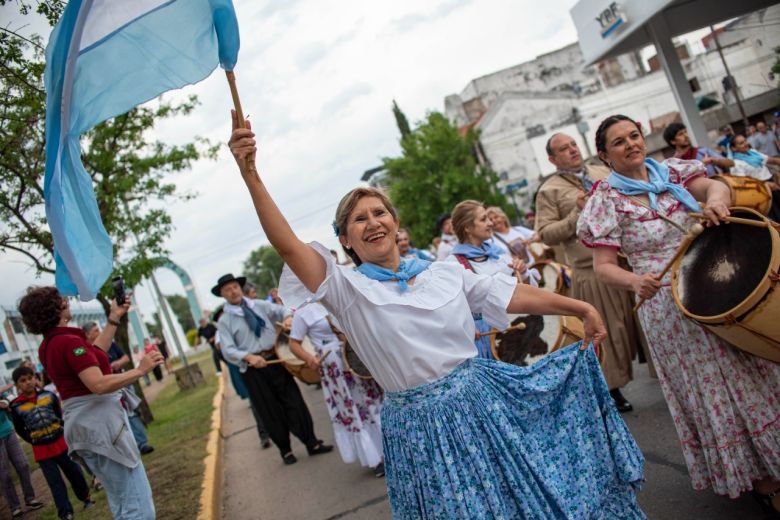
x=412, y=338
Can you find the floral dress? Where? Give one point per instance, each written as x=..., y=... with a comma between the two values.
x=725, y=403
x=354, y=404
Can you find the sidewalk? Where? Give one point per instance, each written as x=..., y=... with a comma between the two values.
x=258, y=486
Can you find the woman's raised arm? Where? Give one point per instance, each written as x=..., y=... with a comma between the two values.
x=307, y=265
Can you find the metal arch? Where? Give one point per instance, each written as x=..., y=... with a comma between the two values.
x=189, y=288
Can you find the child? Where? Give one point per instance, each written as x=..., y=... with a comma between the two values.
x=37, y=417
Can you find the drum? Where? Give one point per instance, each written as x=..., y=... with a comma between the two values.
x=541, y=252
x=748, y=192
x=541, y=336
x=727, y=281
x=555, y=277
x=294, y=365
x=353, y=363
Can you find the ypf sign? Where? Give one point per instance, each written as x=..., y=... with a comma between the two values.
x=611, y=19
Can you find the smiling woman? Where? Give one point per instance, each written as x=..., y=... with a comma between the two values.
x=532, y=442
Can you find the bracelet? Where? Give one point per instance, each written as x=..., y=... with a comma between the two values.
x=113, y=322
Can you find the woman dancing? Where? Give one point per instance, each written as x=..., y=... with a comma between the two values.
x=725, y=403
x=476, y=252
x=463, y=437
x=354, y=404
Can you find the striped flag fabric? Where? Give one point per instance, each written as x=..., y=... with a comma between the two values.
x=103, y=58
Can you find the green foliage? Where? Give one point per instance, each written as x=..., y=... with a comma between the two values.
x=181, y=308
x=192, y=337
x=437, y=169
x=263, y=268
x=400, y=120
x=131, y=174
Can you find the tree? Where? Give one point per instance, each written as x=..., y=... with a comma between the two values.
x=400, y=120
x=263, y=267
x=181, y=308
x=130, y=172
x=437, y=169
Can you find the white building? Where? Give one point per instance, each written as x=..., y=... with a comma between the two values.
x=517, y=109
x=16, y=344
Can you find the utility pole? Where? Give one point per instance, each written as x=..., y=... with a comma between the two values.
x=731, y=79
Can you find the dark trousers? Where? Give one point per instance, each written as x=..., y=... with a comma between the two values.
x=157, y=371
x=278, y=401
x=51, y=470
x=216, y=355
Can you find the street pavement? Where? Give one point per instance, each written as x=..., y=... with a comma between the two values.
x=257, y=486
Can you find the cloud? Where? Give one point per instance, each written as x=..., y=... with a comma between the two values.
x=411, y=21
x=345, y=98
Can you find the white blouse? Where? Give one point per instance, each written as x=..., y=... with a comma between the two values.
x=501, y=265
x=312, y=320
x=411, y=338
x=514, y=233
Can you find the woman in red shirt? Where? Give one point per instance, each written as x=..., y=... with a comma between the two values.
x=96, y=426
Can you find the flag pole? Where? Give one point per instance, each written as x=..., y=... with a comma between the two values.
x=231, y=77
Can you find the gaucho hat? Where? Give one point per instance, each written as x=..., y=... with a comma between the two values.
x=226, y=279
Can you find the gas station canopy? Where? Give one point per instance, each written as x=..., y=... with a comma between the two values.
x=608, y=28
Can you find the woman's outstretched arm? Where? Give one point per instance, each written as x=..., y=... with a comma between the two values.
x=307, y=265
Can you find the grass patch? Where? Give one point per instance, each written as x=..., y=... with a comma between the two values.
x=179, y=434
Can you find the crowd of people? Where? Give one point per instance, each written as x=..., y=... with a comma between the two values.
x=456, y=432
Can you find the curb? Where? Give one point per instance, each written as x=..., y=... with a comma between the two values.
x=210, y=495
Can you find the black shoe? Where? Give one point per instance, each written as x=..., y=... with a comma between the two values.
x=265, y=443
x=146, y=449
x=319, y=448
x=289, y=459
x=621, y=403
x=379, y=470
x=34, y=504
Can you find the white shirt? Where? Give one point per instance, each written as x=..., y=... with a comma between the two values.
x=411, y=338
x=312, y=320
x=523, y=233
x=445, y=246
x=501, y=265
x=745, y=169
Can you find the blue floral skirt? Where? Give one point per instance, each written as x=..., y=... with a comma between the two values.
x=494, y=440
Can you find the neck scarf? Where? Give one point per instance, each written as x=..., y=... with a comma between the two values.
x=690, y=154
x=658, y=182
x=406, y=269
x=255, y=322
x=752, y=157
x=488, y=249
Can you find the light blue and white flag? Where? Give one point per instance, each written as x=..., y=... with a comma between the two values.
x=104, y=57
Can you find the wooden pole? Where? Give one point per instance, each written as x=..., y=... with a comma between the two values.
x=696, y=230
x=231, y=77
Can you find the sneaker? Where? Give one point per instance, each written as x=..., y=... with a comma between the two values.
x=89, y=503
x=68, y=516
x=320, y=448
x=219, y=374
x=96, y=485
x=379, y=470
x=34, y=504
x=17, y=513
x=289, y=458
x=147, y=449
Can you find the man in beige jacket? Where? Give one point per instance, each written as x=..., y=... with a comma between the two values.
x=558, y=205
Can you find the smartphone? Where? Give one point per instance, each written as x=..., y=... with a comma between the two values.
x=119, y=290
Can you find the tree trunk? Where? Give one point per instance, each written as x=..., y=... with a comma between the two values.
x=121, y=339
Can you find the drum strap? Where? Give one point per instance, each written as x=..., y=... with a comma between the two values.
x=731, y=320
x=663, y=217
x=465, y=262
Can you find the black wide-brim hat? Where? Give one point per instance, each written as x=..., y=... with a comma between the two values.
x=226, y=279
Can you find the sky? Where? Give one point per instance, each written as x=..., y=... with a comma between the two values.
x=317, y=79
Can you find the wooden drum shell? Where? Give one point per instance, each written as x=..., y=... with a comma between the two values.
x=760, y=311
x=747, y=192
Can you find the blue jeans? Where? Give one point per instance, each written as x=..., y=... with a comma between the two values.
x=139, y=431
x=128, y=491
x=51, y=470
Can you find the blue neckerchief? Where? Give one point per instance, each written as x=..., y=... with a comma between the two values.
x=752, y=157
x=256, y=323
x=658, y=175
x=408, y=268
x=470, y=251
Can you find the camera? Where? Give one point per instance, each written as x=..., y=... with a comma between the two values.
x=119, y=290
